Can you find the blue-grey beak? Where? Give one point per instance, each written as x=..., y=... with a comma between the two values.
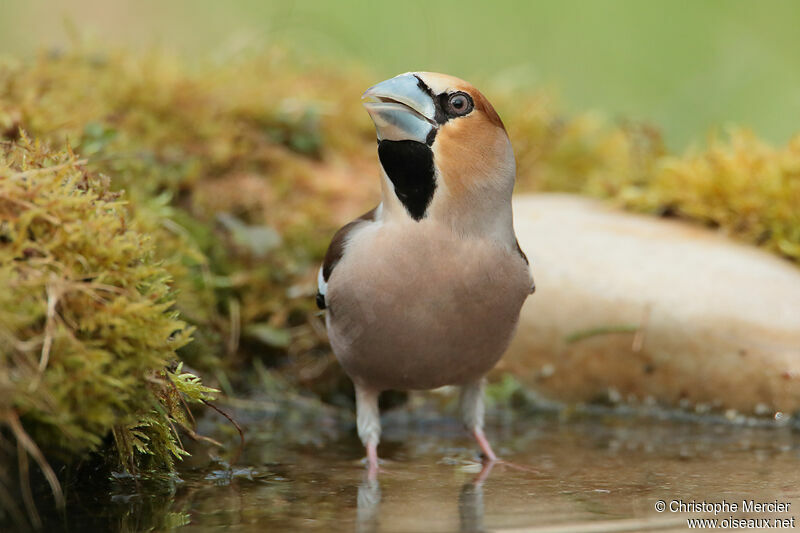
x=400, y=109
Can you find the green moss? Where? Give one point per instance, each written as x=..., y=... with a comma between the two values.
x=87, y=325
x=209, y=156
x=739, y=184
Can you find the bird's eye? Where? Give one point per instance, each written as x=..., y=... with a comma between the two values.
x=459, y=104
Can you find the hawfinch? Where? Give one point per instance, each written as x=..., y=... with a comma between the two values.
x=425, y=290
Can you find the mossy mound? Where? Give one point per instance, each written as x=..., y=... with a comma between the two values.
x=245, y=161
x=739, y=184
x=87, y=325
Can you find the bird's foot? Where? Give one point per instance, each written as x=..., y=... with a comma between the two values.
x=487, y=466
x=487, y=453
x=489, y=458
x=373, y=463
x=517, y=466
x=372, y=471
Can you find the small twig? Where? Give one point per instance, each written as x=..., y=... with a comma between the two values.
x=34, y=171
x=235, y=424
x=52, y=301
x=53, y=295
x=28, y=205
x=25, y=487
x=602, y=330
x=183, y=401
x=638, y=338
x=99, y=287
x=30, y=446
x=236, y=326
x=201, y=438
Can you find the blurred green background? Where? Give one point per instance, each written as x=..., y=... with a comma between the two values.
x=686, y=66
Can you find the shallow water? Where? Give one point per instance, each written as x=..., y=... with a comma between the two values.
x=601, y=473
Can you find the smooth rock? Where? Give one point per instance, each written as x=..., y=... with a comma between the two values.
x=635, y=308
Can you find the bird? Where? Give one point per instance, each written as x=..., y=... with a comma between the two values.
x=425, y=290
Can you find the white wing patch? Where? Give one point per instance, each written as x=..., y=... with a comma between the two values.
x=322, y=285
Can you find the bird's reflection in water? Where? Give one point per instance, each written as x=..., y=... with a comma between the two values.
x=470, y=504
x=369, y=503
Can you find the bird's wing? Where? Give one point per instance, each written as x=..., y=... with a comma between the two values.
x=335, y=253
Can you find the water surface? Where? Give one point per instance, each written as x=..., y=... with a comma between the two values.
x=591, y=474
x=302, y=470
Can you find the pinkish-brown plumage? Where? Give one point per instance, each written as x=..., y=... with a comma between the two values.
x=426, y=289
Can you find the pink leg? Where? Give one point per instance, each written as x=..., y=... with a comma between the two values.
x=372, y=460
x=490, y=458
x=472, y=413
x=486, y=448
x=471, y=407
x=369, y=425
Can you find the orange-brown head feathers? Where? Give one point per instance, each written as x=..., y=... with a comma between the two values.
x=443, y=149
x=470, y=151
x=442, y=83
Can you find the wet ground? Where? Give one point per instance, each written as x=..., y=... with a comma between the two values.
x=603, y=472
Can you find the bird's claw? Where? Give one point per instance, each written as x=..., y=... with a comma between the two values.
x=517, y=466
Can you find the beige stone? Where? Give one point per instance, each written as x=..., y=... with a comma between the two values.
x=634, y=307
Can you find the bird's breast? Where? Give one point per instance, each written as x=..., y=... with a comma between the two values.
x=415, y=307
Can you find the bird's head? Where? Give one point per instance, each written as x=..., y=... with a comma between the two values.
x=443, y=149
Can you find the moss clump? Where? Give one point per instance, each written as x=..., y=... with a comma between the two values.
x=739, y=184
x=87, y=326
x=223, y=153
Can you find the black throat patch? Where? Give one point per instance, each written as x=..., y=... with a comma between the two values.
x=409, y=164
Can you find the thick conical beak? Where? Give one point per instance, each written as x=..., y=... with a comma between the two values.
x=401, y=109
